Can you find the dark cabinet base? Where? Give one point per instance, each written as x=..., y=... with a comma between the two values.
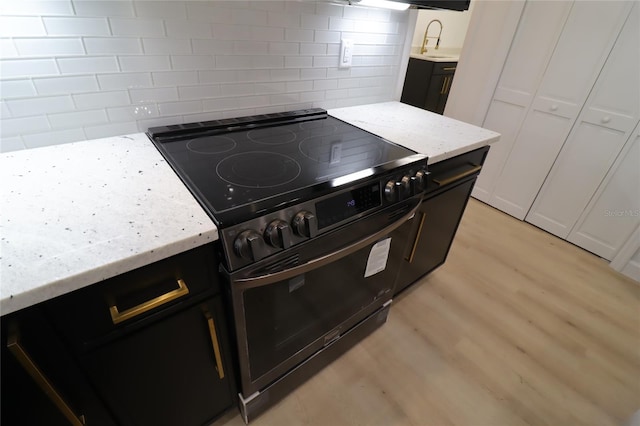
x=427, y=84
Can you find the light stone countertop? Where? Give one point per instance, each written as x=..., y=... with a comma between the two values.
x=425, y=132
x=75, y=214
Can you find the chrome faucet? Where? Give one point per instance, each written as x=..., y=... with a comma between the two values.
x=426, y=36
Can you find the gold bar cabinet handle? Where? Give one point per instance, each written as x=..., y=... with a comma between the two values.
x=444, y=85
x=214, y=342
x=117, y=316
x=459, y=176
x=417, y=239
x=449, y=69
x=45, y=385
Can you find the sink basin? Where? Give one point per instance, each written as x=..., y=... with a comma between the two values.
x=436, y=57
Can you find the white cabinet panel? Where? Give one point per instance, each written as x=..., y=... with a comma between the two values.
x=501, y=117
x=584, y=45
x=614, y=211
x=527, y=166
x=528, y=57
x=596, y=140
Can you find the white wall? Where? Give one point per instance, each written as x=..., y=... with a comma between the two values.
x=73, y=70
x=454, y=27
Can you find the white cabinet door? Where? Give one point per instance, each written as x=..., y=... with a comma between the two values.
x=586, y=40
x=614, y=211
x=525, y=65
x=604, y=125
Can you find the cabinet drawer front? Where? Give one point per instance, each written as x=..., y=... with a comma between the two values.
x=98, y=310
x=444, y=67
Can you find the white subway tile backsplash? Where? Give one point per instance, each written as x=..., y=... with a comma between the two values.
x=70, y=120
x=21, y=26
x=250, y=47
x=284, y=75
x=16, y=126
x=325, y=84
x=159, y=46
x=36, y=7
x=251, y=17
x=213, y=12
x=299, y=86
x=27, y=68
x=101, y=99
x=284, y=48
x=130, y=113
x=178, y=108
x=314, y=22
x=59, y=26
x=14, y=143
x=231, y=32
x=136, y=27
x=327, y=36
x=114, y=129
x=50, y=138
x=92, y=64
x=270, y=88
x=192, y=62
x=49, y=46
x=103, y=8
x=253, y=101
x=163, y=94
x=313, y=48
x=311, y=96
x=283, y=20
x=298, y=61
x=8, y=49
x=16, y=89
x=199, y=92
x=267, y=34
x=328, y=9
x=208, y=46
x=42, y=105
x=294, y=34
x=174, y=78
x=112, y=46
x=145, y=63
x=237, y=89
x=124, y=81
x=111, y=67
x=64, y=85
x=187, y=29
x=161, y=9
x=313, y=74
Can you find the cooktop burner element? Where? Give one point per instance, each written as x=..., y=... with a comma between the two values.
x=258, y=169
x=242, y=167
x=211, y=145
x=272, y=136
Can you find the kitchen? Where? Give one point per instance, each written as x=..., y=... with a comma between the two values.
x=258, y=58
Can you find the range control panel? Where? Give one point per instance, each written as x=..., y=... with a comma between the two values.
x=264, y=236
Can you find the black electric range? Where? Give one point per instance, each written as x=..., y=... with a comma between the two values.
x=244, y=168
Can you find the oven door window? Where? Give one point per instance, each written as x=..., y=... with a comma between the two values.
x=310, y=310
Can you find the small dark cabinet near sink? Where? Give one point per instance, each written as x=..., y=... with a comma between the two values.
x=427, y=84
x=430, y=233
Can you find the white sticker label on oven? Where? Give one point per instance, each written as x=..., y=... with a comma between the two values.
x=378, y=257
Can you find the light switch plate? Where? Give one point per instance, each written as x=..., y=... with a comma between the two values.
x=346, y=53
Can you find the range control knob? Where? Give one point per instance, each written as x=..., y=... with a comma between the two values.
x=278, y=234
x=305, y=224
x=250, y=245
x=420, y=180
x=390, y=192
x=405, y=187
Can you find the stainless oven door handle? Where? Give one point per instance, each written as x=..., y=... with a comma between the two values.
x=326, y=259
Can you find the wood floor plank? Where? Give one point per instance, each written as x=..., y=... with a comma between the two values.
x=517, y=328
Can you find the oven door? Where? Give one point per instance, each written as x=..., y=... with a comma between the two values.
x=289, y=306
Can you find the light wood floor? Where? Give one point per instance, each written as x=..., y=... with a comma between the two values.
x=517, y=328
